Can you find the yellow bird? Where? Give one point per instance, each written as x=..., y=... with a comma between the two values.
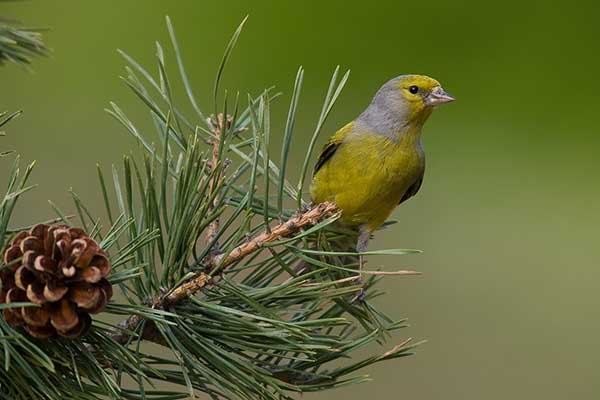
x=377, y=161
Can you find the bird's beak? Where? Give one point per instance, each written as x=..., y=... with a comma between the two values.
x=437, y=97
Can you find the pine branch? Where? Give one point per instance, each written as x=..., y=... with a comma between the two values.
x=206, y=260
x=191, y=287
x=310, y=217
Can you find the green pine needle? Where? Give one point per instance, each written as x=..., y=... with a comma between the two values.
x=21, y=45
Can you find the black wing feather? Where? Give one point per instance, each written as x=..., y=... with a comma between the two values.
x=412, y=190
x=328, y=150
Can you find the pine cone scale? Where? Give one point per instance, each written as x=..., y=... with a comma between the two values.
x=55, y=290
x=23, y=277
x=35, y=292
x=12, y=253
x=85, y=296
x=36, y=316
x=63, y=315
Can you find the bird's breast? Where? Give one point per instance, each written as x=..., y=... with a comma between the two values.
x=368, y=175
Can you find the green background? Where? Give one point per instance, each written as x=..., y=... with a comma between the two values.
x=508, y=215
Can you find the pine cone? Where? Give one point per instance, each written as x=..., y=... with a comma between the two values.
x=61, y=269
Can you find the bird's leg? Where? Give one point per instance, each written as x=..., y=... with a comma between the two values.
x=361, y=245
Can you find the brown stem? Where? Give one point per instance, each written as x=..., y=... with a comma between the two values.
x=286, y=229
x=219, y=262
x=213, y=227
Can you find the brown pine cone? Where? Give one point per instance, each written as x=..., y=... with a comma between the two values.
x=61, y=269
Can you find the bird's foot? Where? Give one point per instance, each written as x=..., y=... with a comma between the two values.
x=360, y=296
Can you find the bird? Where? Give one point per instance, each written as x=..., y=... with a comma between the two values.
x=377, y=162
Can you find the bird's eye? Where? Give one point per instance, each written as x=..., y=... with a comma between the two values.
x=413, y=89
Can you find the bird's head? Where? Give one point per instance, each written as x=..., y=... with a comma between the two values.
x=404, y=102
x=421, y=91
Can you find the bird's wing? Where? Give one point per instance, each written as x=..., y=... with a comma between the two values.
x=412, y=190
x=331, y=146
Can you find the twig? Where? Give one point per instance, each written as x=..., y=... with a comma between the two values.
x=286, y=229
x=219, y=262
x=213, y=227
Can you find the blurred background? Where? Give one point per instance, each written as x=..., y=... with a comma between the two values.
x=509, y=212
